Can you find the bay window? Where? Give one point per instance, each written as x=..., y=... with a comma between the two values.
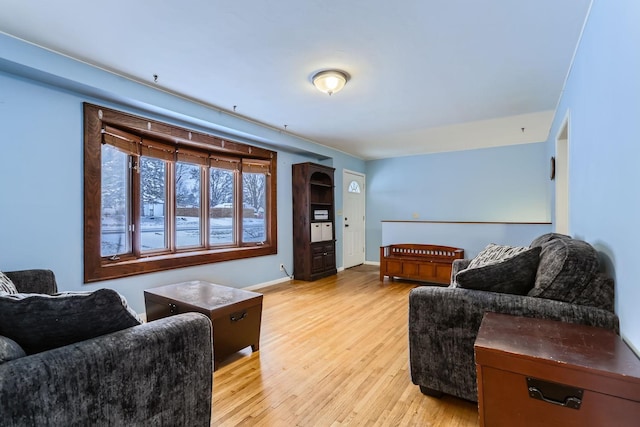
x=159, y=197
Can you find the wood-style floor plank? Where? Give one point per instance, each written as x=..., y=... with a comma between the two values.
x=333, y=352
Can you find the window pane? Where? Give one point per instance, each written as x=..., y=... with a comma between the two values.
x=221, y=205
x=153, y=194
x=115, y=238
x=188, y=209
x=354, y=187
x=253, y=213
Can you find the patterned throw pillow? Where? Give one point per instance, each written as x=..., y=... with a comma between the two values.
x=10, y=350
x=39, y=322
x=495, y=253
x=6, y=285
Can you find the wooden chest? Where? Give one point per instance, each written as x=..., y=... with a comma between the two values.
x=535, y=372
x=235, y=313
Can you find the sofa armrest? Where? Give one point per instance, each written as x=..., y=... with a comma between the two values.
x=457, y=266
x=36, y=281
x=158, y=373
x=444, y=323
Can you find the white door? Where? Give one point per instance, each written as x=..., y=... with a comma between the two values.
x=354, y=217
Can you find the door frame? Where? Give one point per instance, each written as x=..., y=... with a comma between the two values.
x=561, y=214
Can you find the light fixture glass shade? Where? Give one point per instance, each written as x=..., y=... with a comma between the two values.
x=330, y=81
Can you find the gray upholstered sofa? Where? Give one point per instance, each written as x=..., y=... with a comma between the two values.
x=566, y=284
x=158, y=373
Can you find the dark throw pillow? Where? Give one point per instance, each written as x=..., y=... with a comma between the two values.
x=513, y=275
x=39, y=322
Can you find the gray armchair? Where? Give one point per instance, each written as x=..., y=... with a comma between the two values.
x=444, y=322
x=158, y=373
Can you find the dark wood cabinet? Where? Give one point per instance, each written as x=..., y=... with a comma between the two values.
x=314, y=247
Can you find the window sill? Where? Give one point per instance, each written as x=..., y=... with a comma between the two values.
x=115, y=269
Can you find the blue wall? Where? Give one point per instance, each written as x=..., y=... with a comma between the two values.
x=41, y=173
x=602, y=100
x=508, y=184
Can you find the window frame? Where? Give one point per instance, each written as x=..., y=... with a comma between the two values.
x=97, y=267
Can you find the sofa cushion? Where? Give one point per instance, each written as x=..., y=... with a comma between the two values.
x=10, y=350
x=598, y=293
x=567, y=266
x=39, y=322
x=545, y=238
x=6, y=285
x=512, y=275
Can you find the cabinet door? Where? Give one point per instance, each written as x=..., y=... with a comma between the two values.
x=329, y=257
x=317, y=258
x=443, y=272
x=393, y=268
x=427, y=271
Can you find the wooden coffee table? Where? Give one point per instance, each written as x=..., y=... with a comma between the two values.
x=235, y=313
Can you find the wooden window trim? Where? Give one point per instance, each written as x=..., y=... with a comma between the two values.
x=96, y=267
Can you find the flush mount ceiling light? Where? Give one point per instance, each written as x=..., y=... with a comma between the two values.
x=330, y=81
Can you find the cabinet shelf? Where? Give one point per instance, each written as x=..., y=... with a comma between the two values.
x=321, y=184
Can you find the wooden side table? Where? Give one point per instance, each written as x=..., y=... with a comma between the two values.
x=235, y=313
x=537, y=372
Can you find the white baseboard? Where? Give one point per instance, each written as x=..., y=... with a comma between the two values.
x=267, y=284
x=372, y=263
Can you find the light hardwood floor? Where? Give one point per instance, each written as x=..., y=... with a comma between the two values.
x=332, y=353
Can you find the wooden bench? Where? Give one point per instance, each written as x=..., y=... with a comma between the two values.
x=425, y=263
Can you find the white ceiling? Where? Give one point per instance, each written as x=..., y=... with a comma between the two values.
x=426, y=75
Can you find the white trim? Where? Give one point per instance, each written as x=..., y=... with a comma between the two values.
x=372, y=263
x=562, y=175
x=267, y=284
x=631, y=346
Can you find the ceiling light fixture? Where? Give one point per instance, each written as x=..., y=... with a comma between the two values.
x=330, y=81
